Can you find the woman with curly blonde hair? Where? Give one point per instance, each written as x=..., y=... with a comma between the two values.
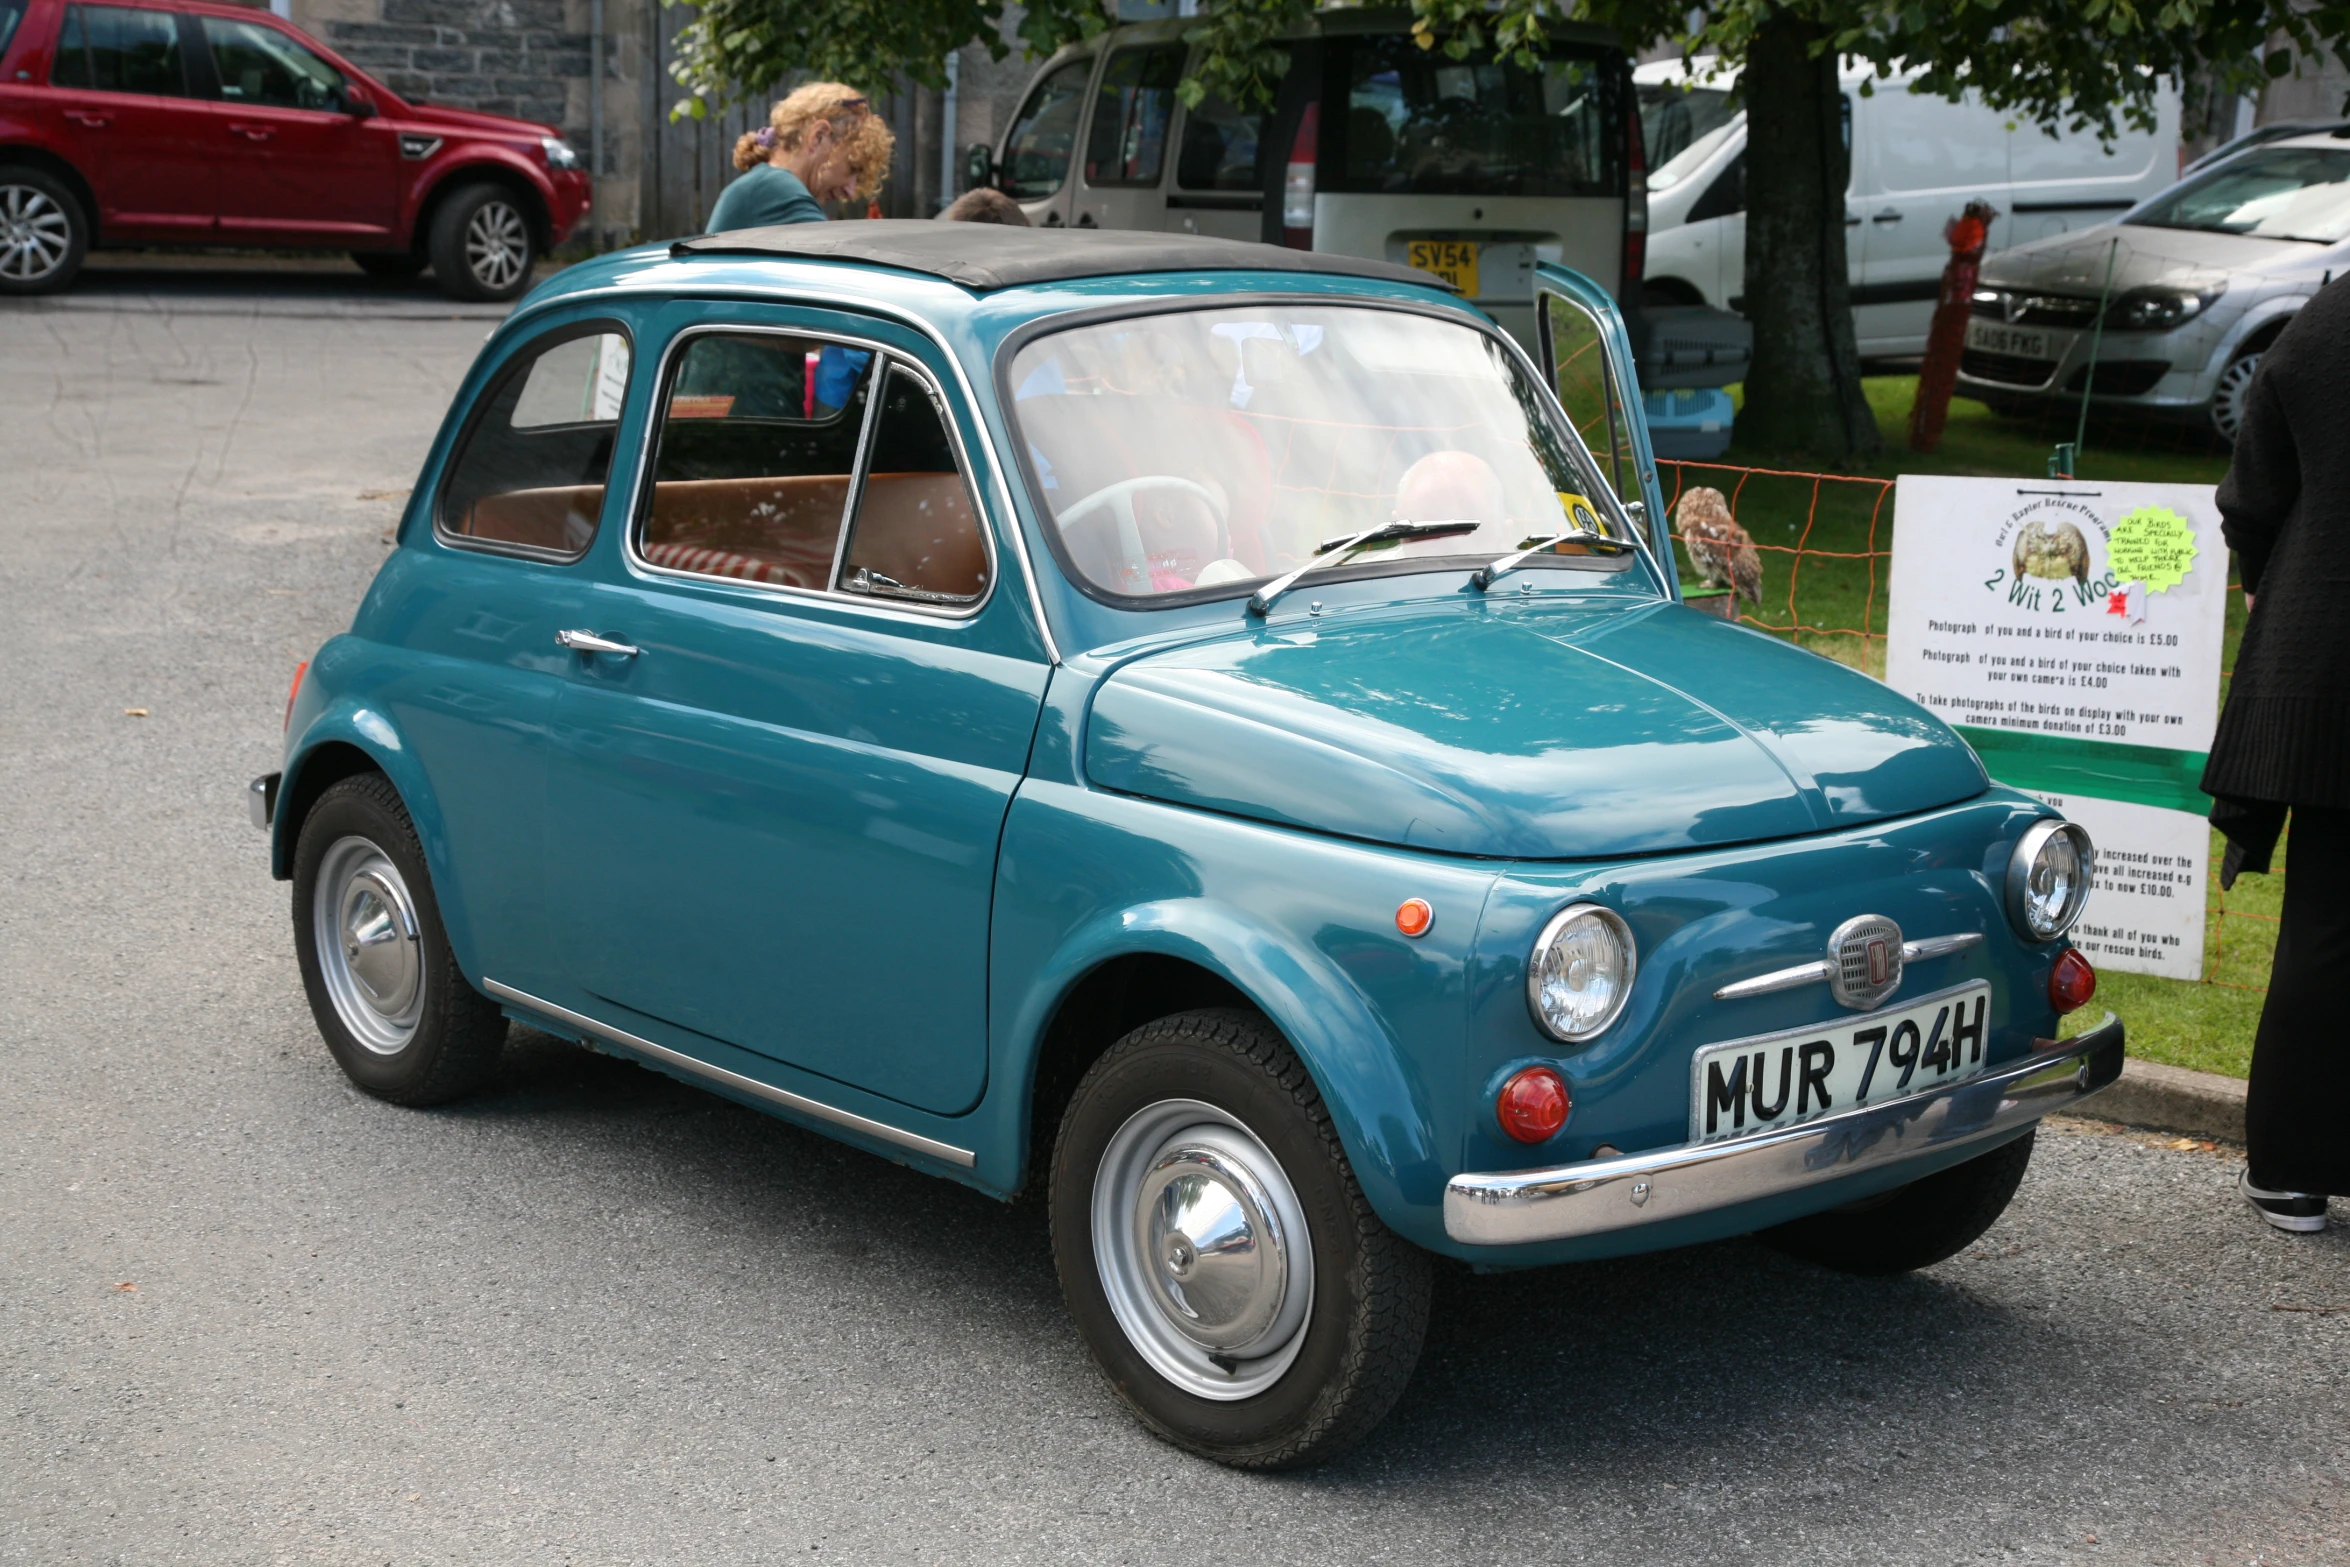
x=822, y=143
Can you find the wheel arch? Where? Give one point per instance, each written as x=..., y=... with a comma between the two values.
x=484, y=172
x=18, y=155
x=1130, y=966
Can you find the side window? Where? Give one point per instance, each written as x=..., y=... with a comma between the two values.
x=1726, y=195
x=260, y=65
x=1036, y=154
x=759, y=441
x=1127, y=144
x=1219, y=149
x=530, y=471
x=916, y=535
x=114, y=49
x=11, y=13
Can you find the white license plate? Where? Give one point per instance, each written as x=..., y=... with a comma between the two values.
x=1772, y=1080
x=2024, y=342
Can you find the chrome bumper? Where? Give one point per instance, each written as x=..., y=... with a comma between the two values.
x=261, y=799
x=1600, y=1195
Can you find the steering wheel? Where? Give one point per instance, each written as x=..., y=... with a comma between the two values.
x=1119, y=497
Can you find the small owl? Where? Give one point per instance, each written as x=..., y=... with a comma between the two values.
x=2051, y=550
x=1722, y=552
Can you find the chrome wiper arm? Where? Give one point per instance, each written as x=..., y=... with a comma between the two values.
x=1494, y=571
x=1331, y=551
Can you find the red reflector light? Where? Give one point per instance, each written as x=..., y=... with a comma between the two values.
x=1297, y=186
x=292, y=692
x=1413, y=916
x=1534, y=1105
x=2072, y=982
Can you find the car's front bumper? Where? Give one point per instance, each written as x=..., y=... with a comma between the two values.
x=261, y=799
x=1600, y=1195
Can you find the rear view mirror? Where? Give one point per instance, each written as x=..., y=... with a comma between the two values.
x=978, y=165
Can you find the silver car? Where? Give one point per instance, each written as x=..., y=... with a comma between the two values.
x=2198, y=282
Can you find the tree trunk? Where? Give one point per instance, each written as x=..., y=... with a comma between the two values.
x=1803, y=393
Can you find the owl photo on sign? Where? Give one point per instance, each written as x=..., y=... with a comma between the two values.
x=1722, y=552
x=2051, y=550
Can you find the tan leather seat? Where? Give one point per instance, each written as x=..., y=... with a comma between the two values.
x=919, y=529
x=786, y=526
x=559, y=517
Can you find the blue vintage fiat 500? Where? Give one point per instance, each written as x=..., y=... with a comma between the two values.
x=1190, y=729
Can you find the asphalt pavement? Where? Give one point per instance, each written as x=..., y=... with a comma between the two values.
x=249, y=1315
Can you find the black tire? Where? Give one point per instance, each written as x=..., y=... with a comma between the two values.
x=431, y=1037
x=44, y=232
x=393, y=264
x=2226, y=410
x=482, y=244
x=1913, y=1226
x=1361, y=1331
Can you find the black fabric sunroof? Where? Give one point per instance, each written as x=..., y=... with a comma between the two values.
x=985, y=256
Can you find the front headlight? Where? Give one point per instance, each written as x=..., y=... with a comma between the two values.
x=560, y=153
x=1580, y=974
x=2048, y=879
x=2158, y=309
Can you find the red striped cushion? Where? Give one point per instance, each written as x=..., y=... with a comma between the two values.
x=717, y=563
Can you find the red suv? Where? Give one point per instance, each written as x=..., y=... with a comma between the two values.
x=181, y=122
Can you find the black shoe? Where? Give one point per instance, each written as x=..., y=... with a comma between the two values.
x=2295, y=1211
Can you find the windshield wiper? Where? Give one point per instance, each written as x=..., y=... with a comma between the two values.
x=1589, y=537
x=1331, y=551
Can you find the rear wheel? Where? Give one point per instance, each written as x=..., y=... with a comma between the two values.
x=388, y=263
x=1913, y=1226
x=396, y=1013
x=481, y=244
x=44, y=234
x=1217, y=1254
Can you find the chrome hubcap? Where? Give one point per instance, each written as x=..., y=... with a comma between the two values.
x=1202, y=1249
x=364, y=925
x=2227, y=399
x=35, y=234
x=497, y=245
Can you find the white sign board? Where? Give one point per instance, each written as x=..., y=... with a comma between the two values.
x=2072, y=631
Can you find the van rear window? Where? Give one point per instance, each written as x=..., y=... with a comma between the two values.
x=1418, y=122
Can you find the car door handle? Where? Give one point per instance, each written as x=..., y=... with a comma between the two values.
x=1889, y=215
x=589, y=642
x=89, y=117
x=253, y=132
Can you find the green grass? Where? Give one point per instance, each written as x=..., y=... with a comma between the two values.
x=1841, y=590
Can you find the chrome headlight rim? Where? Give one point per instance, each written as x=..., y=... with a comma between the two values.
x=1551, y=930
x=2019, y=873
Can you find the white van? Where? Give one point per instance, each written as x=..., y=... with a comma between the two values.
x=1916, y=160
x=1375, y=147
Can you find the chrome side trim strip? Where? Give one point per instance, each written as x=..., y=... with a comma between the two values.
x=1777, y=979
x=1602, y=1195
x=797, y=1103
x=1813, y=973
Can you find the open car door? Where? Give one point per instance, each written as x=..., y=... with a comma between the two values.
x=1588, y=357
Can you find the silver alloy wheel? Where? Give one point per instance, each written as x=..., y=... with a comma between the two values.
x=36, y=235
x=2227, y=398
x=497, y=245
x=1202, y=1249
x=363, y=923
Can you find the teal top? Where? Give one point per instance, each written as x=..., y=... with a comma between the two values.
x=764, y=195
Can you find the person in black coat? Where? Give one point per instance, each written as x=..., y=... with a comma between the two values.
x=2284, y=746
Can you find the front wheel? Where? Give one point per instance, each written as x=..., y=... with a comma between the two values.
x=44, y=234
x=481, y=244
x=1913, y=1226
x=1217, y=1254
x=2228, y=397
x=397, y=1014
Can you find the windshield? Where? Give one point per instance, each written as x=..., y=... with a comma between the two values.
x=1213, y=449
x=1680, y=127
x=2273, y=193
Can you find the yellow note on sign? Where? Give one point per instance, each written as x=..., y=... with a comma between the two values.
x=1454, y=260
x=2153, y=545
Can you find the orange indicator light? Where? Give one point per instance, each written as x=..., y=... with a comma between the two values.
x=1413, y=916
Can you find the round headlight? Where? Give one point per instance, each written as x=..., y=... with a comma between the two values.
x=1580, y=974
x=2048, y=879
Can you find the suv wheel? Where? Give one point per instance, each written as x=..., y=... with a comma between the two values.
x=1219, y=1259
x=397, y=1014
x=481, y=244
x=43, y=232
x=2227, y=398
